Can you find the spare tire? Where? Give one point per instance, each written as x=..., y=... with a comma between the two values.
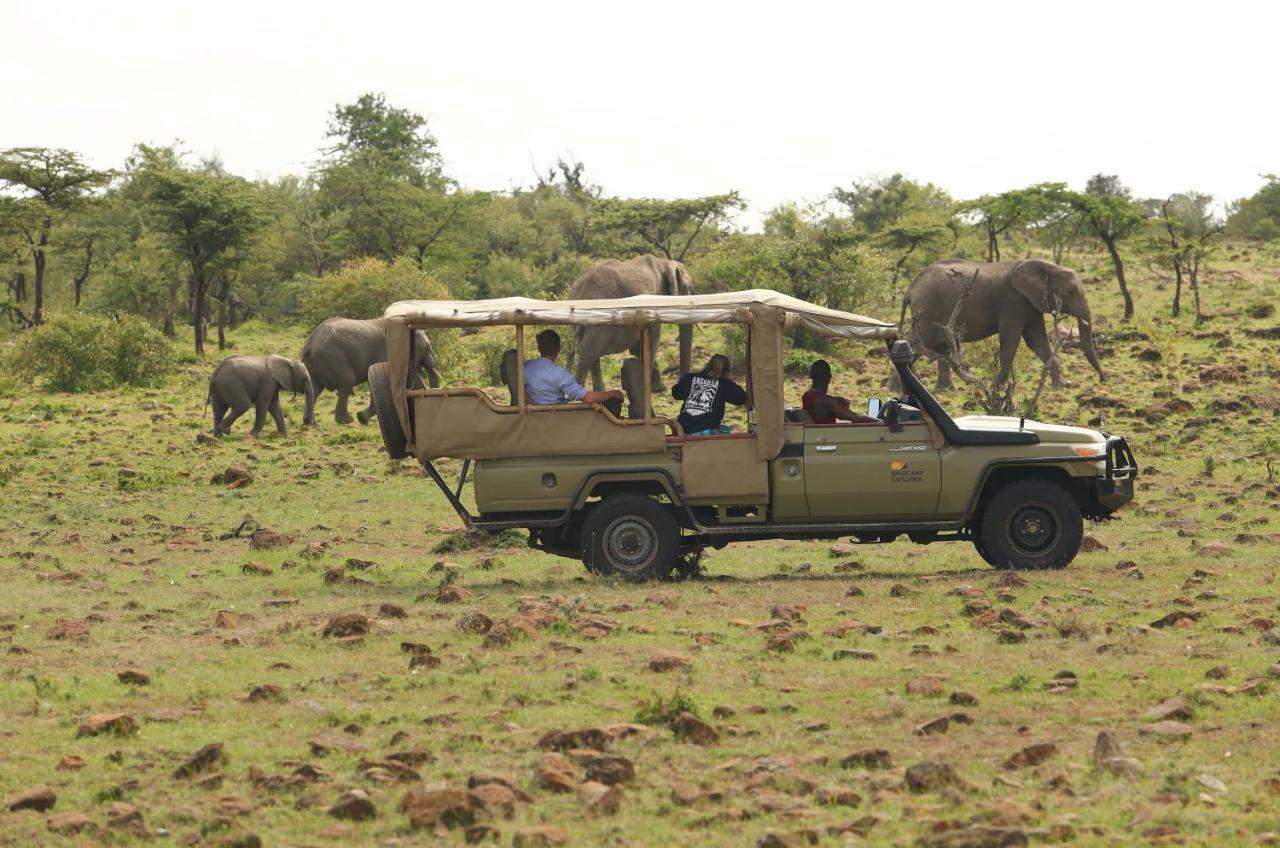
x=393, y=437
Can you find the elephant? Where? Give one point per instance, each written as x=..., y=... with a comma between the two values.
x=340, y=350
x=243, y=381
x=1009, y=298
x=614, y=278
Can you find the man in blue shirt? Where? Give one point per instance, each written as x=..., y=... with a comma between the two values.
x=546, y=383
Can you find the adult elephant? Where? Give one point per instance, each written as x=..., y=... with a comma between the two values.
x=614, y=278
x=1008, y=298
x=338, y=354
x=240, y=382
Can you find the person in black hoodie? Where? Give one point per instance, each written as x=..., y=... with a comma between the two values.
x=704, y=394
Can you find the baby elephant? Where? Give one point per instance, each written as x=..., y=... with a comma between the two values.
x=243, y=381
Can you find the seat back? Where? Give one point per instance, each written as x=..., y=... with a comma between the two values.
x=507, y=373
x=633, y=385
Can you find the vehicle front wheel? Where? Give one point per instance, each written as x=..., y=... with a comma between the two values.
x=1030, y=524
x=632, y=536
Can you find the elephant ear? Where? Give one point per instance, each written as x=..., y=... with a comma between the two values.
x=281, y=371
x=1032, y=282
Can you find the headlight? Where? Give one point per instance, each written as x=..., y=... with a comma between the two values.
x=1097, y=449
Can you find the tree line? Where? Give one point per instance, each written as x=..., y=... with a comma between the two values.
x=174, y=239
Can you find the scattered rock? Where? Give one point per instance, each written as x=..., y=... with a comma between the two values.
x=935, y=727
x=69, y=629
x=40, y=799
x=257, y=569
x=201, y=761
x=392, y=611
x=1214, y=549
x=267, y=692
x=869, y=758
x=449, y=808
x=116, y=724
x=353, y=805
x=930, y=687
x=122, y=816
x=129, y=677
x=931, y=775
x=610, y=770
x=1173, y=708
x=1180, y=618
x=554, y=773
x=263, y=539
x=67, y=824
x=1091, y=543
x=690, y=728
x=346, y=624
x=1032, y=755
x=599, y=797
x=962, y=698
x=667, y=661
x=1109, y=756
x=540, y=836
x=452, y=594
x=1167, y=730
x=853, y=654
x=475, y=622
x=235, y=476
x=973, y=836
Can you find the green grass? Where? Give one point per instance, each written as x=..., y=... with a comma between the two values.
x=139, y=558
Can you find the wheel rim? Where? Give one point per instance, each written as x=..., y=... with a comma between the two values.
x=630, y=543
x=1033, y=529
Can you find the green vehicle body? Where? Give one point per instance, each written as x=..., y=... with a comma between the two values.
x=1019, y=490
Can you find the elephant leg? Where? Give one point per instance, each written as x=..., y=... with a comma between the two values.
x=236, y=412
x=1038, y=340
x=597, y=377
x=944, y=375
x=340, y=413
x=364, y=415
x=1009, y=339
x=259, y=417
x=277, y=415
x=219, y=412
x=655, y=336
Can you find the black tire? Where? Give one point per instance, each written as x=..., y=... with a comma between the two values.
x=982, y=550
x=631, y=536
x=393, y=437
x=1031, y=524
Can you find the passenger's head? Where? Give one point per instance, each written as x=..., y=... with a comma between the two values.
x=820, y=373
x=549, y=344
x=717, y=366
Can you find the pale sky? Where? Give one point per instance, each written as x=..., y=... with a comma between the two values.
x=781, y=101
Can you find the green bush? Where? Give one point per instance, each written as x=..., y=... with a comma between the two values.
x=364, y=288
x=77, y=353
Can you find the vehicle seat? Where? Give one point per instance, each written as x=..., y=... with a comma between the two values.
x=507, y=373
x=633, y=386
x=798, y=415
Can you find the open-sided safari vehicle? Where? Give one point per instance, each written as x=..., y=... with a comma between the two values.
x=634, y=496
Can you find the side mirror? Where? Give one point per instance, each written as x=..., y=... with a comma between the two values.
x=873, y=407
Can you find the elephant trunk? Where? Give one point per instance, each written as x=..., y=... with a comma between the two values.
x=1086, y=343
x=309, y=407
x=686, y=348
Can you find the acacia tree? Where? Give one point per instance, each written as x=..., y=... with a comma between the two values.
x=879, y=204
x=1191, y=234
x=997, y=214
x=53, y=182
x=906, y=239
x=671, y=228
x=1110, y=215
x=209, y=218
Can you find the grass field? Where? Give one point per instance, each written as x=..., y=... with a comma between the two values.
x=131, y=587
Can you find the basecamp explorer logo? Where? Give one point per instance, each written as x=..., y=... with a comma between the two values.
x=900, y=471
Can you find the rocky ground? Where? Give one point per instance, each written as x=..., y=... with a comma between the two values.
x=286, y=641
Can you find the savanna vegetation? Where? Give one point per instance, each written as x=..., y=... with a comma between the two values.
x=288, y=640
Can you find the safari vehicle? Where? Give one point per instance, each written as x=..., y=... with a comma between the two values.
x=636, y=496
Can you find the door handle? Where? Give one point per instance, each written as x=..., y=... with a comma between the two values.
x=826, y=447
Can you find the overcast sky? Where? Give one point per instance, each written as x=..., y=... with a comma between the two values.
x=782, y=101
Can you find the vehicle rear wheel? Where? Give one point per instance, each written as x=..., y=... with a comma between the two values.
x=632, y=536
x=1030, y=524
x=393, y=437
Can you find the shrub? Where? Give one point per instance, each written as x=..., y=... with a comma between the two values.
x=77, y=352
x=363, y=288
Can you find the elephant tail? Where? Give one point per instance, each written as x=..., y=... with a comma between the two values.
x=902, y=318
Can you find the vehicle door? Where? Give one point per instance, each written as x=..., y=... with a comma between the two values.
x=866, y=471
